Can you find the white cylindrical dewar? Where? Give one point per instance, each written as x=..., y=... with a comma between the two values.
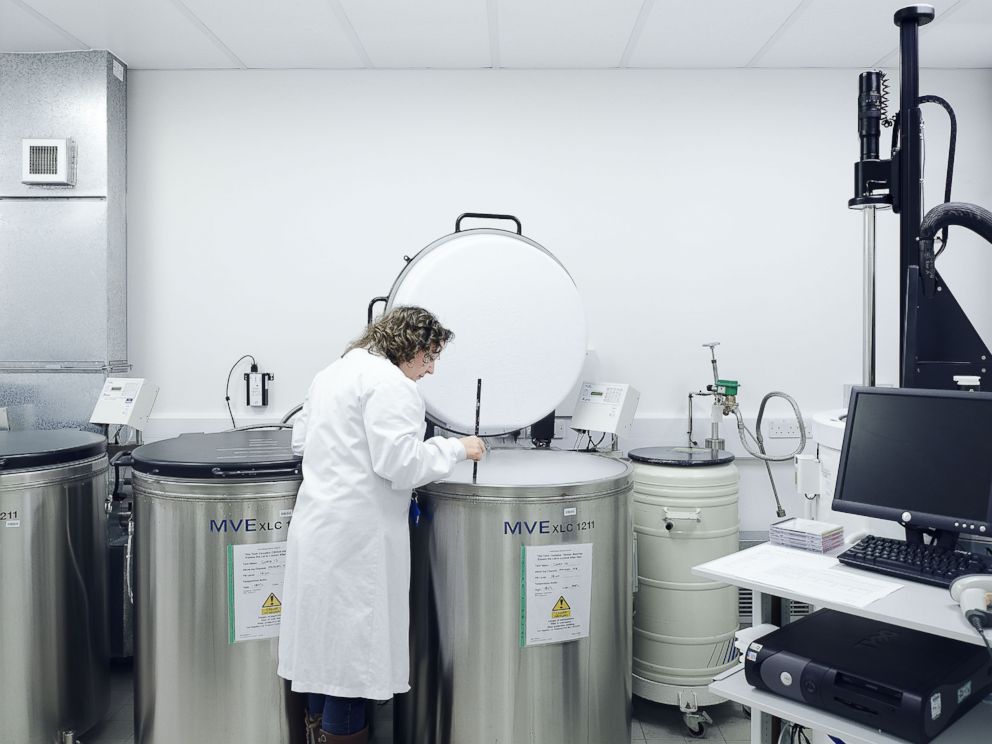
x=685, y=513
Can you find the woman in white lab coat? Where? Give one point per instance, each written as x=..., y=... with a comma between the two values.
x=345, y=618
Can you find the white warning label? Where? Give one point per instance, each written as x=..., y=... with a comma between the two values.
x=254, y=587
x=555, y=593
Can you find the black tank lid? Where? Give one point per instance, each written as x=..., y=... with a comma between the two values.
x=255, y=453
x=686, y=457
x=47, y=447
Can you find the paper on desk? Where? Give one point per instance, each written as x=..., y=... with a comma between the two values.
x=808, y=574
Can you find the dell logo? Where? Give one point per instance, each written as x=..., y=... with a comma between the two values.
x=876, y=640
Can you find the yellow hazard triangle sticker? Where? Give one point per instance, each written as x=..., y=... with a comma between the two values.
x=561, y=609
x=272, y=605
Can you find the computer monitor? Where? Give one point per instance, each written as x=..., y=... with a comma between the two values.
x=922, y=458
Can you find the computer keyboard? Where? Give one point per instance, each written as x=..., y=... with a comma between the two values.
x=926, y=564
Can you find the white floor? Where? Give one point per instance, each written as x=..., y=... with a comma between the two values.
x=653, y=723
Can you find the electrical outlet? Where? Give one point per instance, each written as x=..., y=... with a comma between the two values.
x=787, y=428
x=560, y=428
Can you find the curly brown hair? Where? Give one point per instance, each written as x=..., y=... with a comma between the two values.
x=403, y=332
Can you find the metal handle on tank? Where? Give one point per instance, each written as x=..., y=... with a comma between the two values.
x=694, y=515
x=633, y=547
x=127, y=560
x=372, y=304
x=221, y=473
x=484, y=216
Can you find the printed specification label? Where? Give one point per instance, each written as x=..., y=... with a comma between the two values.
x=254, y=590
x=555, y=593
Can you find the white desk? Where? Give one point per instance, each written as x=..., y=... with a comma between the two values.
x=925, y=608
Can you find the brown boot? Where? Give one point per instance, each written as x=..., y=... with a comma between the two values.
x=359, y=737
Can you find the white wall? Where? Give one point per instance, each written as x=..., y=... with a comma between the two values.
x=266, y=209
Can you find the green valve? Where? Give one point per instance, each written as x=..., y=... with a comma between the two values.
x=727, y=387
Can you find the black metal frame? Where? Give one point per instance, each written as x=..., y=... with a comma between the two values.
x=937, y=340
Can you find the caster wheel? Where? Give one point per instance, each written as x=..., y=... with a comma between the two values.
x=697, y=732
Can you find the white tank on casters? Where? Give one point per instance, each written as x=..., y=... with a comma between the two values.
x=685, y=513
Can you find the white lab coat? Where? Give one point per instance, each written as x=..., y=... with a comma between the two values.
x=346, y=614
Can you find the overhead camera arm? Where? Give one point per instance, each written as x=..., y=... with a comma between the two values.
x=937, y=341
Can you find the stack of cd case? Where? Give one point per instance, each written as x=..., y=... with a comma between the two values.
x=807, y=534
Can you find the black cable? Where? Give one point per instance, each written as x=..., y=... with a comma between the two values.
x=976, y=623
x=951, y=148
x=227, y=387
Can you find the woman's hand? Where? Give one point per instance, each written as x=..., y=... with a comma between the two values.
x=474, y=447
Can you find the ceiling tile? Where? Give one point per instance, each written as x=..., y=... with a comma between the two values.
x=838, y=34
x=708, y=33
x=460, y=34
x=960, y=38
x=23, y=31
x=287, y=34
x=565, y=33
x=145, y=34
x=452, y=34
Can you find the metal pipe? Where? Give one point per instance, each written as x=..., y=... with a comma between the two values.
x=868, y=356
x=292, y=412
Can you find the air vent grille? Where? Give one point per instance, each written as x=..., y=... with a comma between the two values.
x=48, y=162
x=43, y=160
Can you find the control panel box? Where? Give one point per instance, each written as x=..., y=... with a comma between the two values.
x=605, y=406
x=127, y=401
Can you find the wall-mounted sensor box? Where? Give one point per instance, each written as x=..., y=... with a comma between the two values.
x=605, y=406
x=49, y=162
x=125, y=400
x=258, y=391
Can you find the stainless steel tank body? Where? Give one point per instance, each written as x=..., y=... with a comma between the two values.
x=54, y=645
x=474, y=678
x=198, y=678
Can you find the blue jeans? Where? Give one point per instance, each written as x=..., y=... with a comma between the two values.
x=340, y=715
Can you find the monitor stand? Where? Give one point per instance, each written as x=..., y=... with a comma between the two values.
x=947, y=539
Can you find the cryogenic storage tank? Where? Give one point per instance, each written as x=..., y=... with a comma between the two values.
x=685, y=513
x=520, y=604
x=520, y=595
x=211, y=514
x=54, y=644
